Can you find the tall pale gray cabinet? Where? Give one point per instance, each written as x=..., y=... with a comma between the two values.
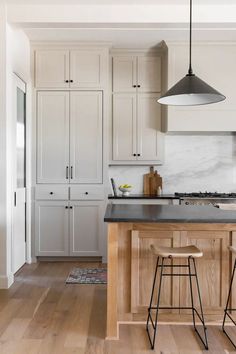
x=69, y=183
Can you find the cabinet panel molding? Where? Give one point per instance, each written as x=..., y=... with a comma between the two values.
x=149, y=73
x=124, y=73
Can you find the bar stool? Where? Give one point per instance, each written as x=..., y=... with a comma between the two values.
x=227, y=308
x=162, y=254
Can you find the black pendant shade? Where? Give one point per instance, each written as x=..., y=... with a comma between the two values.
x=191, y=91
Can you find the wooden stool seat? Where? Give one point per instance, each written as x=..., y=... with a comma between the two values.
x=176, y=252
x=232, y=249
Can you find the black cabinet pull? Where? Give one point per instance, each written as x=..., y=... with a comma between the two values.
x=139, y=154
x=139, y=86
x=71, y=81
x=86, y=193
x=71, y=207
x=67, y=172
x=71, y=172
x=51, y=193
x=134, y=85
x=66, y=206
x=134, y=154
x=66, y=81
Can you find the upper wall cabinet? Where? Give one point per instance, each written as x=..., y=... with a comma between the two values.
x=131, y=73
x=72, y=68
x=137, y=136
x=215, y=64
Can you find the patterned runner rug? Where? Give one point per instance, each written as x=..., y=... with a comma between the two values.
x=87, y=276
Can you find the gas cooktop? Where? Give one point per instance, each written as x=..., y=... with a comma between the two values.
x=205, y=195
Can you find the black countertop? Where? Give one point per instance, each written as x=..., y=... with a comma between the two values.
x=168, y=214
x=143, y=196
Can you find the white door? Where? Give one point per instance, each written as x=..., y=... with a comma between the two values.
x=53, y=137
x=149, y=74
x=86, y=68
x=52, y=228
x=19, y=174
x=86, y=137
x=52, y=68
x=124, y=127
x=149, y=128
x=85, y=228
x=124, y=75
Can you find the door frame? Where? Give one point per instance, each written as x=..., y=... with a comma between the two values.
x=17, y=81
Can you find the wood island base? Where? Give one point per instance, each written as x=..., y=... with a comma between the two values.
x=131, y=269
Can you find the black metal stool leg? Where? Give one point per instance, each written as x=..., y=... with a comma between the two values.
x=154, y=324
x=201, y=317
x=229, y=309
x=191, y=292
x=153, y=289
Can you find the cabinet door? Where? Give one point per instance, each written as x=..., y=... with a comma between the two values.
x=124, y=74
x=52, y=137
x=143, y=268
x=52, y=68
x=124, y=127
x=86, y=137
x=52, y=228
x=212, y=269
x=149, y=74
x=87, y=69
x=150, y=138
x=85, y=228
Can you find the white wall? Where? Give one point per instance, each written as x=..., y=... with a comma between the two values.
x=192, y=163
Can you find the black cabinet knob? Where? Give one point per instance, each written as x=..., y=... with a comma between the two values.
x=134, y=85
x=71, y=207
x=66, y=80
x=86, y=193
x=134, y=154
x=139, y=154
x=66, y=206
x=71, y=81
x=51, y=193
x=139, y=86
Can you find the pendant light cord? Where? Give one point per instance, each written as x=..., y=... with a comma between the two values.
x=190, y=70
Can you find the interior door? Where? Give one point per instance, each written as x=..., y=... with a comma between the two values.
x=19, y=174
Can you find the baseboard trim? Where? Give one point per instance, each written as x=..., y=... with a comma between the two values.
x=69, y=259
x=6, y=281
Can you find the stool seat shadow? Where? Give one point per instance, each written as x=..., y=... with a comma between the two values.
x=162, y=254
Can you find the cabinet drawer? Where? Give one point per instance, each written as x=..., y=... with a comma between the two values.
x=87, y=192
x=51, y=192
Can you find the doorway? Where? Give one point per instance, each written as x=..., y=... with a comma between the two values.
x=19, y=174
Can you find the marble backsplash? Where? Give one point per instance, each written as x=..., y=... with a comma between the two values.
x=192, y=163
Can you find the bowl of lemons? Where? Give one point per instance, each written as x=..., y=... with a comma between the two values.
x=125, y=189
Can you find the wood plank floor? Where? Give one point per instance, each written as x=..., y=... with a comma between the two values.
x=40, y=314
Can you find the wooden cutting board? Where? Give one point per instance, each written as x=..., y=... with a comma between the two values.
x=151, y=182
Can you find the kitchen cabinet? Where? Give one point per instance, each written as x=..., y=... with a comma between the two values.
x=85, y=228
x=53, y=137
x=213, y=269
x=137, y=132
x=51, y=228
x=69, y=228
x=137, y=136
x=133, y=73
x=52, y=68
x=215, y=64
x=70, y=68
x=143, y=265
x=69, y=137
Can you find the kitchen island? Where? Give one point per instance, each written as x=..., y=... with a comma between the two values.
x=131, y=231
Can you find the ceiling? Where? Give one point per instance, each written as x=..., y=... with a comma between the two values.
x=121, y=23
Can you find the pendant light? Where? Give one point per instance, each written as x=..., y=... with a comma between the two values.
x=191, y=91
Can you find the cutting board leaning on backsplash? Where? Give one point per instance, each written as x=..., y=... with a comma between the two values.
x=151, y=182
